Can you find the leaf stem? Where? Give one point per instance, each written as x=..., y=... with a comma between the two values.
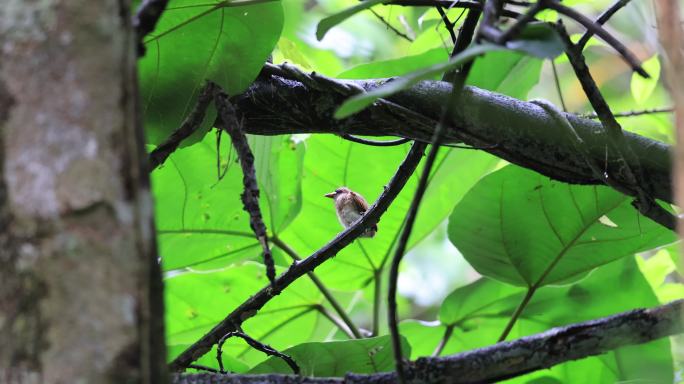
x=321, y=287
x=448, y=331
x=377, y=296
x=518, y=311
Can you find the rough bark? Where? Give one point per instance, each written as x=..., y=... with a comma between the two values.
x=520, y=132
x=503, y=360
x=80, y=287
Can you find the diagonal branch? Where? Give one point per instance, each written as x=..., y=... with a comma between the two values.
x=632, y=170
x=250, y=195
x=602, y=19
x=509, y=359
x=250, y=307
x=145, y=20
x=189, y=126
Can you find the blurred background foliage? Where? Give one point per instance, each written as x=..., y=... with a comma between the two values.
x=211, y=258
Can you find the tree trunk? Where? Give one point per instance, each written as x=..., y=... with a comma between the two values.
x=80, y=287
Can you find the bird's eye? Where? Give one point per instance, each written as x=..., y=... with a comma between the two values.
x=338, y=191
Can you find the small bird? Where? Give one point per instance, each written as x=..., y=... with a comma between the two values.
x=350, y=206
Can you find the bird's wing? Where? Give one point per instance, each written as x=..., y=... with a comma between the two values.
x=359, y=203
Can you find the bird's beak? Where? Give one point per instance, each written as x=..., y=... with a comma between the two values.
x=330, y=195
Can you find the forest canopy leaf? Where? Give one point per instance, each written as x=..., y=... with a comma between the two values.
x=326, y=24
x=226, y=42
x=520, y=227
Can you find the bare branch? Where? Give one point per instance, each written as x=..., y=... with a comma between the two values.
x=600, y=32
x=602, y=19
x=189, y=126
x=633, y=172
x=250, y=195
x=259, y=346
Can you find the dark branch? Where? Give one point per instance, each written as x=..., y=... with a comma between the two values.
x=651, y=111
x=509, y=359
x=250, y=307
x=596, y=29
x=250, y=195
x=374, y=143
x=508, y=128
x=259, y=346
x=390, y=26
x=145, y=20
x=191, y=123
x=632, y=170
x=448, y=4
x=602, y=19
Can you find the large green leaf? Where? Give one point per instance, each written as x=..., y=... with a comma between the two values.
x=326, y=24
x=224, y=41
x=201, y=221
x=331, y=162
x=511, y=73
x=196, y=301
x=337, y=358
x=520, y=227
x=538, y=39
x=279, y=165
x=479, y=311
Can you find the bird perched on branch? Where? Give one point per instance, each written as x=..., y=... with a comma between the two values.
x=350, y=206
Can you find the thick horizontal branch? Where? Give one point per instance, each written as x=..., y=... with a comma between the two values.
x=517, y=131
x=509, y=359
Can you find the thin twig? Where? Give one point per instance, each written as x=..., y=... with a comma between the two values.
x=377, y=295
x=600, y=32
x=514, y=30
x=321, y=287
x=651, y=111
x=191, y=123
x=145, y=20
x=448, y=331
x=250, y=195
x=644, y=202
x=251, y=306
x=337, y=322
x=602, y=19
x=203, y=368
x=448, y=4
x=375, y=143
x=448, y=24
x=390, y=26
x=259, y=346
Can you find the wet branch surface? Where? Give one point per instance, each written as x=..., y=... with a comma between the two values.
x=517, y=131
